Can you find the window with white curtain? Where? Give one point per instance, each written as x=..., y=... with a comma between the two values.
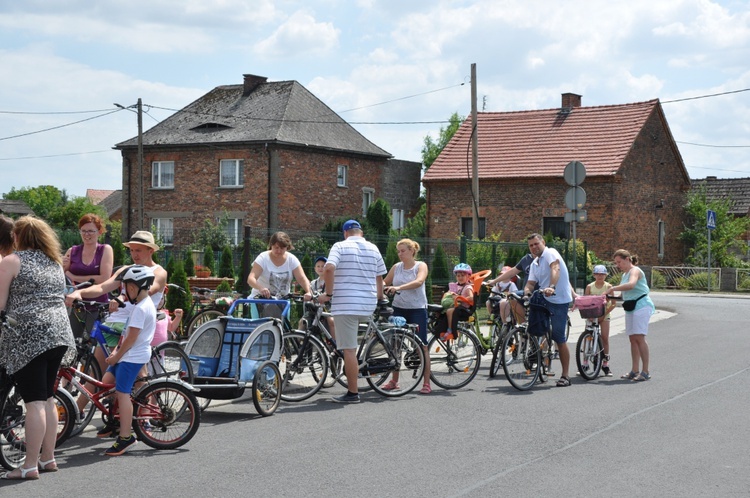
x=397, y=219
x=234, y=230
x=164, y=228
x=231, y=173
x=341, y=179
x=162, y=174
x=368, y=197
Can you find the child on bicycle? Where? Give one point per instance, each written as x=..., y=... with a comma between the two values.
x=131, y=354
x=596, y=288
x=501, y=308
x=461, y=310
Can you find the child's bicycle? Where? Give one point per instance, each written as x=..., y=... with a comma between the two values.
x=589, y=349
x=13, y=415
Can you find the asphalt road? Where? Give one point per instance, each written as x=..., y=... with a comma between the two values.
x=684, y=433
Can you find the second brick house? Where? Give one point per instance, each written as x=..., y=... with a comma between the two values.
x=636, y=182
x=269, y=155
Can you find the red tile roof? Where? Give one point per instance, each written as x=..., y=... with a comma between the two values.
x=97, y=196
x=540, y=143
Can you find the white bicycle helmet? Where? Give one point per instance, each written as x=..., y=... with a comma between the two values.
x=143, y=276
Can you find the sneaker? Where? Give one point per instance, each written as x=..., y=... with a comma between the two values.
x=346, y=398
x=121, y=445
x=607, y=371
x=107, y=431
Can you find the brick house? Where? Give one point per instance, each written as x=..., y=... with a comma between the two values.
x=636, y=182
x=736, y=189
x=269, y=155
x=109, y=200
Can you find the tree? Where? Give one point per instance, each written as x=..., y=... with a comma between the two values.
x=68, y=214
x=440, y=272
x=43, y=200
x=416, y=226
x=175, y=298
x=432, y=149
x=226, y=264
x=209, y=261
x=189, y=264
x=391, y=254
x=379, y=221
x=725, y=238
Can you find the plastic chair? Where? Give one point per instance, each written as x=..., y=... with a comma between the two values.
x=476, y=279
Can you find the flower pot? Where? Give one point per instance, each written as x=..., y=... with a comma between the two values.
x=202, y=273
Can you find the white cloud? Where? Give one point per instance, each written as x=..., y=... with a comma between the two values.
x=299, y=35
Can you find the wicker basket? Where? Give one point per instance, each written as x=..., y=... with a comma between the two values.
x=591, y=306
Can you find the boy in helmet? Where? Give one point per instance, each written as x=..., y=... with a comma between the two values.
x=132, y=352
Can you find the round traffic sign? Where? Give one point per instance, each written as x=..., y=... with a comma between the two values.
x=575, y=173
x=575, y=198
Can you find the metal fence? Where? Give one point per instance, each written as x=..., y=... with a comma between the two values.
x=685, y=278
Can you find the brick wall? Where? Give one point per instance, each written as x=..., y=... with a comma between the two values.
x=621, y=209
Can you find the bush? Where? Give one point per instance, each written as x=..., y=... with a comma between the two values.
x=209, y=261
x=440, y=274
x=189, y=264
x=175, y=298
x=224, y=286
x=226, y=265
x=658, y=281
x=744, y=283
x=697, y=281
x=391, y=255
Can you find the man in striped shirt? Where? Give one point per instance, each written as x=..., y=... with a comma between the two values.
x=354, y=284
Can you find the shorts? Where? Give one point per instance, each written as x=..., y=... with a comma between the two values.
x=559, y=321
x=636, y=322
x=417, y=316
x=347, y=327
x=113, y=339
x=125, y=374
x=36, y=380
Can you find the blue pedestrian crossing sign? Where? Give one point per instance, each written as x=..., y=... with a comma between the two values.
x=710, y=219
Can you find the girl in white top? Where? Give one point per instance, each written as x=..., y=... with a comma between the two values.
x=273, y=270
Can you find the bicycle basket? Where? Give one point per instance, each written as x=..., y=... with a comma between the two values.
x=591, y=306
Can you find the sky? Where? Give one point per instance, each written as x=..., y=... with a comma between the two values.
x=396, y=70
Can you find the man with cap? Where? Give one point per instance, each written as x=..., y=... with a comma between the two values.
x=354, y=284
x=596, y=288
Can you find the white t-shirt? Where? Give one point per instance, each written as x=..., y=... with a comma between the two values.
x=277, y=279
x=143, y=317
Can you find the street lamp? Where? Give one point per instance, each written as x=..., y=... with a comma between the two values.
x=139, y=112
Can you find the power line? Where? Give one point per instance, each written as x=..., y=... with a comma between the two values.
x=705, y=96
x=60, y=126
x=715, y=146
x=54, y=155
x=53, y=112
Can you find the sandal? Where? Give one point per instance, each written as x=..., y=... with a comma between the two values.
x=426, y=389
x=43, y=465
x=643, y=376
x=23, y=476
x=563, y=382
x=391, y=386
x=629, y=376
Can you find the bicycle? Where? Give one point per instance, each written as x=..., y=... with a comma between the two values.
x=453, y=363
x=589, y=348
x=203, y=309
x=13, y=415
x=165, y=411
x=527, y=358
x=168, y=360
x=500, y=331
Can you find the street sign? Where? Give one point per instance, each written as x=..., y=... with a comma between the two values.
x=710, y=219
x=575, y=198
x=575, y=173
x=578, y=216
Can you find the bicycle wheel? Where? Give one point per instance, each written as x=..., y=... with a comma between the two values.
x=362, y=384
x=335, y=365
x=408, y=366
x=166, y=415
x=522, y=359
x=200, y=318
x=303, y=366
x=545, y=351
x=13, y=426
x=497, y=354
x=267, y=388
x=90, y=367
x=589, y=356
x=169, y=360
x=454, y=363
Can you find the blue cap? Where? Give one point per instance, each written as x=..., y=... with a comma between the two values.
x=352, y=224
x=321, y=258
x=600, y=269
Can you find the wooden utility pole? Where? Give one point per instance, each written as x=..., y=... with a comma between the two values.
x=474, y=154
x=140, y=164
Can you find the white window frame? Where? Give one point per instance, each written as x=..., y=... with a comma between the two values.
x=239, y=172
x=164, y=228
x=368, y=197
x=234, y=230
x=397, y=219
x=160, y=177
x=342, y=173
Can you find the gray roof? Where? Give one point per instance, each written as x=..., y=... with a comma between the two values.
x=737, y=189
x=14, y=207
x=283, y=112
x=112, y=203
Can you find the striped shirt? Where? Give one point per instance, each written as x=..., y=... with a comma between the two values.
x=358, y=263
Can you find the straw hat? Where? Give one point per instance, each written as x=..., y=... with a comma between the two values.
x=143, y=238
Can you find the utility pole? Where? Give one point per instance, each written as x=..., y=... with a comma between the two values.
x=140, y=164
x=474, y=153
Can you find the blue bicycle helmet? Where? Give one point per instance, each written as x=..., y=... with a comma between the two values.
x=462, y=267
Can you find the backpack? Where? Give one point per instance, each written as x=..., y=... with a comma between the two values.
x=539, y=315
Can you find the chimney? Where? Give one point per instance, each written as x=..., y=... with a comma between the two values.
x=251, y=83
x=569, y=101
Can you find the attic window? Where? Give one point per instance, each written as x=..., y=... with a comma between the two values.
x=210, y=127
